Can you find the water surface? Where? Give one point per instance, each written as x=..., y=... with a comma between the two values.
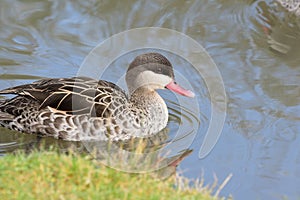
x=255, y=45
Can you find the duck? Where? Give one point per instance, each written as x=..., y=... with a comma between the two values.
x=291, y=5
x=83, y=108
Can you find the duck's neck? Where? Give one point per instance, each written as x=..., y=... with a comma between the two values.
x=147, y=104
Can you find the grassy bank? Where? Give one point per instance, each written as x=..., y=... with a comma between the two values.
x=51, y=175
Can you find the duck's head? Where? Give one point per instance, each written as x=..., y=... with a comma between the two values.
x=153, y=71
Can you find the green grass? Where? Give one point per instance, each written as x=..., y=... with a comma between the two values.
x=52, y=175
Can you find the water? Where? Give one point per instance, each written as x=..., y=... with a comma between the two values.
x=255, y=45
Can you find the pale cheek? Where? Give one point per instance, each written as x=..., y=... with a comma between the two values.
x=158, y=81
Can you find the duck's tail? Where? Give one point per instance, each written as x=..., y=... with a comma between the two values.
x=6, y=116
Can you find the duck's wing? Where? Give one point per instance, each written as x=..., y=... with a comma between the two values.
x=77, y=95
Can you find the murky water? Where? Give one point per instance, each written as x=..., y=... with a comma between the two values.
x=255, y=45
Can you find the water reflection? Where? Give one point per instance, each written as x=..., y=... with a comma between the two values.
x=254, y=43
x=282, y=32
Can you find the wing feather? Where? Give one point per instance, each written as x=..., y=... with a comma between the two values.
x=77, y=95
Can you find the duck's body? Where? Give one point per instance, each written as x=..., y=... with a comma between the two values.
x=82, y=108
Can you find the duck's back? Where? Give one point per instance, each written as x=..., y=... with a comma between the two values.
x=61, y=107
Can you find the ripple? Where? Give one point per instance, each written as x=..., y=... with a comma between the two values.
x=185, y=119
x=19, y=76
x=285, y=130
